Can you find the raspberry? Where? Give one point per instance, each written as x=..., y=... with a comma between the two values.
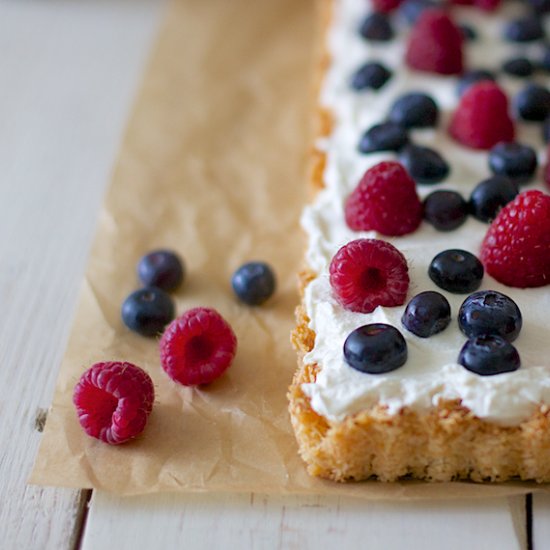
x=435, y=44
x=482, y=119
x=113, y=401
x=385, y=6
x=516, y=248
x=197, y=347
x=547, y=168
x=485, y=5
x=367, y=273
x=385, y=200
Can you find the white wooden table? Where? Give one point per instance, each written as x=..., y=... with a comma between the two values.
x=68, y=75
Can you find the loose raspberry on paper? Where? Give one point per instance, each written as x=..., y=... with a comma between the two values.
x=367, y=273
x=435, y=44
x=516, y=248
x=197, y=347
x=385, y=200
x=113, y=400
x=482, y=119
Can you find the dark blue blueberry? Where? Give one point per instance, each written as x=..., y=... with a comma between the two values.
x=411, y=10
x=490, y=312
x=468, y=32
x=376, y=27
x=427, y=314
x=473, y=77
x=488, y=355
x=546, y=130
x=414, y=110
x=254, y=283
x=540, y=6
x=375, y=349
x=525, y=29
x=424, y=164
x=514, y=161
x=445, y=210
x=387, y=136
x=545, y=58
x=518, y=66
x=489, y=196
x=161, y=268
x=147, y=311
x=370, y=76
x=533, y=102
x=457, y=271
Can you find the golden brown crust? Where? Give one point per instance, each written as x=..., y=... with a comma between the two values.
x=447, y=442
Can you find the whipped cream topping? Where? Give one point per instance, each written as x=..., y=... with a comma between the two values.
x=431, y=372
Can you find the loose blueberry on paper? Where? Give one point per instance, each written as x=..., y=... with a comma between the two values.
x=375, y=349
x=161, y=268
x=254, y=283
x=147, y=311
x=490, y=312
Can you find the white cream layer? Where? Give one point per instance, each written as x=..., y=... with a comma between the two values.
x=431, y=372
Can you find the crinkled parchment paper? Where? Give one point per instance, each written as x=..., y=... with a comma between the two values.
x=212, y=165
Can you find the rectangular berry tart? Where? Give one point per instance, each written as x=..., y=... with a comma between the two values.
x=422, y=336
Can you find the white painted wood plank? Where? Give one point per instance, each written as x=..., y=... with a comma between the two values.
x=318, y=523
x=69, y=74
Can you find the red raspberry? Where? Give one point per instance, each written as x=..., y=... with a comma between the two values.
x=197, y=347
x=367, y=273
x=486, y=5
x=385, y=6
x=547, y=168
x=516, y=248
x=113, y=401
x=385, y=200
x=482, y=119
x=435, y=44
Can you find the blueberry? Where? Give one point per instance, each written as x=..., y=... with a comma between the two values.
x=473, y=77
x=546, y=130
x=514, y=161
x=376, y=27
x=424, y=164
x=525, y=29
x=411, y=10
x=387, y=136
x=375, y=349
x=488, y=355
x=414, y=110
x=490, y=312
x=457, y=271
x=533, y=102
x=489, y=196
x=147, y=311
x=370, y=76
x=545, y=58
x=161, y=268
x=518, y=66
x=253, y=283
x=540, y=6
x=427, y=314
x=445, y=210
x=468, y=32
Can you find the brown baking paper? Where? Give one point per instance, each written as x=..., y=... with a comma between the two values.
x=213, y=166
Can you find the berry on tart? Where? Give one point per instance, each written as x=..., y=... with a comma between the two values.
x=428, y=313
x=533, y=103
x=254, y=283
x=425, y=165
x=518, y=66
x=490, y=312
x=385, y=200
x=197, y=347
x=488, y=355
x=370, y=76
x=482, y=118
x=435, y=44
x=367, y=273
x=375, y=349
x=524, y=29
x=387, y=136
x=113, y=401
x=376, y=27
x=147, y=311
x=516, y=248
x=489, y=196
x=456, y=271
x=469, y=78
x=514, y=161
x=414, y=110
x=385, y=6
x=445, y=210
